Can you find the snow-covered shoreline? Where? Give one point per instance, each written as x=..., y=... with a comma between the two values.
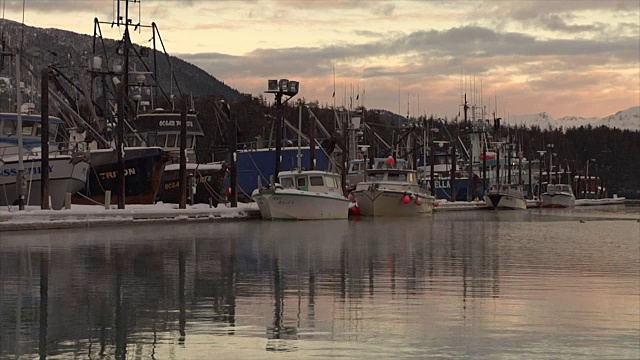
x=34, y=218
x=94, y=215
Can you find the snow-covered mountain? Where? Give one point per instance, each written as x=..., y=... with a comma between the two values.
x=625, y=120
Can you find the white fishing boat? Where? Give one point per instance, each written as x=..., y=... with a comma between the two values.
x=392, y=192
x=506, y=196
x=67, y=174
x=303, y=195
x=558, y=196
x=68, y=171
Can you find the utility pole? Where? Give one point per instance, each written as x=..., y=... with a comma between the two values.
x=232, y=140
x=123, y=93
x=44, y=140
x=454, y=162
x=20, y=180
x=183, y=153
x=278, y=133
x=432, y=160
x=484, y=170
x=279, y=88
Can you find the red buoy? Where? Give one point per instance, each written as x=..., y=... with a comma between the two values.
x=418, y=201
x=355, y=210
x=390, y=161
x=406, y=199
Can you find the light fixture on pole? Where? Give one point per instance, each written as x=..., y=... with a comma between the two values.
x=279, y=88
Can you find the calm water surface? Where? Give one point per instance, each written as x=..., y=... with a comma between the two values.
x=533, y=284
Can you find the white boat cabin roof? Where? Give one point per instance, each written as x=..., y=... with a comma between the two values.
x=400, y=175
x=559, y=187
x=505, y=187
x=310, y=180
x=358, y=165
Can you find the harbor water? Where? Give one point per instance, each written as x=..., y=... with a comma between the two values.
x=534, y=284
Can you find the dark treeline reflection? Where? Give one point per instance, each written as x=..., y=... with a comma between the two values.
x=76, y=292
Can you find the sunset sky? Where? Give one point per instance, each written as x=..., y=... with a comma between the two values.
x=568, y=57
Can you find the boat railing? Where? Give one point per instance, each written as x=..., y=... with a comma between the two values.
x=59, y=148
x=271, y=144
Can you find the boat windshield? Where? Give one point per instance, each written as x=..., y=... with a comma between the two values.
x=331, y=182
x=376, y=176
x=287, y=182
x=316, y=181
x=397, y=177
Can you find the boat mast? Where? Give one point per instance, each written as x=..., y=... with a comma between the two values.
x=299, y=139
x=122, y=95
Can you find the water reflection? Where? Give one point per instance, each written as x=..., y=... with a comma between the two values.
x=481, y=284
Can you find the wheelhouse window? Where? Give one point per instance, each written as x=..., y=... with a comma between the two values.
x=171, y=140
x=53, y=131
x=27, y=128
x=397, y=177
x=301, y=181
x=316, y=181
x=331, y=182
x=161, y=140
x=134, y=141
x=8, y=127
x=286, y=183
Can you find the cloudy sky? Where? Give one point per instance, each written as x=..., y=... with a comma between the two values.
x=572, y=57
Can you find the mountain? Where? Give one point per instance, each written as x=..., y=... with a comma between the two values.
x=624, y=120
x=71, y=52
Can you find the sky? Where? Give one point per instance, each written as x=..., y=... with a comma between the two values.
x=566, y=58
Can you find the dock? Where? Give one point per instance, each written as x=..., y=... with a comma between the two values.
x=444, y=205
x=33, y=218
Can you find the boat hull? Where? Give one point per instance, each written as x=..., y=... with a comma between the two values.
x=382, y=202
x=143, y=172
x=443, y=188
x=505, y=201
x=209, y=180
x=66, y=175
x=558, y=200
x=278, y=204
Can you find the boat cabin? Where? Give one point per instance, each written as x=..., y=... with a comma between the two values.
x=357, y=166
x=316, y=181
x=162, y=128
x=31, y=132
x=393, y=175
x=559, y=188
x=506, y=188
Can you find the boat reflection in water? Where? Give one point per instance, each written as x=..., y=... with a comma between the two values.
x=323, y=288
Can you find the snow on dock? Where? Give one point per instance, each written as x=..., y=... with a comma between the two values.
x=34, y=218
x=94, y=215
